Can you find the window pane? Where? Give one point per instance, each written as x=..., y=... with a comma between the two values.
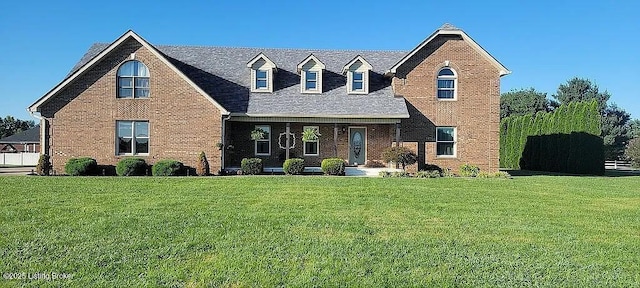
x=125, y=129
x=266, y=129
x=126, y=69
x=445, y=94
x=311, y=85
x=357, y=85
x=142, y=93
x=445, y=83
x=142, y=69
x=125, y=82
x=261, y=84
x=125, y=92
x=445, y=149
x=142, y=82
x=446, y=72
x=357, y=75
x=142, y=145
x=445, y=134
x=142, y=129
x=124, y=145
x=312, y=75
x=311, y=147
x=261, y=74
x=262, y=147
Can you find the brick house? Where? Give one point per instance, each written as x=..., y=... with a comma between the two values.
x=131, y=98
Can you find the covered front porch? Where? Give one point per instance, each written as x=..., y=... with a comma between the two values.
x=355, y=140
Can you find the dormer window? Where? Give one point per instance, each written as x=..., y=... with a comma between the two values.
x=262, y=73
x=310, y=70
x=357, y=71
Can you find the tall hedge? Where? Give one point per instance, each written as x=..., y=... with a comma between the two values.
x=566, y=140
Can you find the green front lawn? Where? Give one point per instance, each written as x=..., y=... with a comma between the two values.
x=321, y=231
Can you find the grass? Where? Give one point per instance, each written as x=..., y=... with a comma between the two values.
x=321, y=231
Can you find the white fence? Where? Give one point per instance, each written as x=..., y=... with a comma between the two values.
x=19, y=159
x=618, y=165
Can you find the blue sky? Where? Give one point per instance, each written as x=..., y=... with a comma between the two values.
x=544, y=43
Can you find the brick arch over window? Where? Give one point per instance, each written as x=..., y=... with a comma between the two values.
x=133, y=80
x=447, y=83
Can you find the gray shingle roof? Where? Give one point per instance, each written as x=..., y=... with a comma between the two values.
x=223, y=74
x=28, y=136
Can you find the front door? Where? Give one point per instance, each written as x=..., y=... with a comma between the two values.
x=357, y=145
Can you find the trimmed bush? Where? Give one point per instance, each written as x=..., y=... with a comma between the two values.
x=251, y=166
x=167, y=168
x=293, y=166
x=131, y=167
x=428, y=174
x=333, y=166
x=467, y=170
x=82, y=166
x=44, y=165
x=400, y=155
x=202, y=169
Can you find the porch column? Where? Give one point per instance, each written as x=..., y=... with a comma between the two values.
x=397, y=134
x=335, y=139
x=288, y=139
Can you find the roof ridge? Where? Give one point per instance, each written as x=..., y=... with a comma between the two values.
x=279, y=49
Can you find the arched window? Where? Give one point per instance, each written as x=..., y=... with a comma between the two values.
x=133, y=80
x=447, y=82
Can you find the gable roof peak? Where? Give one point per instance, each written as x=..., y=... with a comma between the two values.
x=310, y=58
x=263, y=57
x=448, y=26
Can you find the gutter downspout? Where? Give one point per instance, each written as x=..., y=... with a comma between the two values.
x=224, y=144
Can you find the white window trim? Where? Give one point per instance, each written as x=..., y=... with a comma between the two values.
x=268, y=140
x=133, y=138
x=365, y=82
x=455, y=84
x=303, y=82
x=455, y=142
x=133, y=82
x=304, y=145
x=254, y=80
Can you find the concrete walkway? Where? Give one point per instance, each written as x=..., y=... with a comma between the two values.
x=13, y=171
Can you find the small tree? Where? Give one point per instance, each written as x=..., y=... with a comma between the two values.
x=400, y=155
x=202, y=169
x=633, y=152
x=257, y=134
x=44, y=165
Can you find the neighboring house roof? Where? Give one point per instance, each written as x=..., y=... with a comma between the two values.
x=28, y=136
x=89, y=60
x=448, y=29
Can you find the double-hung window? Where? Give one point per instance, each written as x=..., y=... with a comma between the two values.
x=133, y=80
x=132, y=137
x=311, y=80
x=263, y=146
x=358, y=81
x=262, y=76
x=446, y=141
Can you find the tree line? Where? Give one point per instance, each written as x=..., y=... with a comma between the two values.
x=616, y=126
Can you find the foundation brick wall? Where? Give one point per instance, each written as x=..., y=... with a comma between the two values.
x=475, y=113
x=82, y=118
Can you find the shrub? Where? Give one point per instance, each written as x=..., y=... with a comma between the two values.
x=333, y=166
x=633, y=152
x=131, y=167
x=82, y=166
x=374, y=164
x=431, y=167
x=400, y=155
x=202, y=169
x=428, y=174
x=251, y=166
x=499, y=174
x=44, y=165
x=448, y=173
x=167, y=168
x=384, y=174
x=293, y=166
x=467, y=170
x=400, y=174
